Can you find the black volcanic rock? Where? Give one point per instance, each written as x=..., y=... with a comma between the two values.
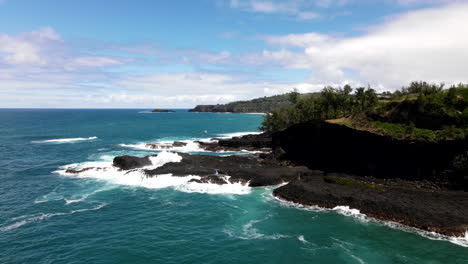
x=162, y=111
x=242, y=168
x=164, y=145
x=130, y=162
x=440, y=211
x=216, y=179
x=253, y=141
x=337, y=148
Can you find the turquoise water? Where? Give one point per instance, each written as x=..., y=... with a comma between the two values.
x=106, y=217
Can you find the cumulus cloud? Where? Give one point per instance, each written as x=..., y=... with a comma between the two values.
x=183, y=90
x=429, y=44
x=45, y=49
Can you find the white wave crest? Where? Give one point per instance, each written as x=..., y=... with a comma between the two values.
x=191, y=146
x=347, y=211
x=238, y=134
x=42, y=216
x=105, y=171
x=65, y=140
x=302, y=239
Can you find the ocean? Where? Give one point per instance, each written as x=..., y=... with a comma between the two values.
x=49, y=216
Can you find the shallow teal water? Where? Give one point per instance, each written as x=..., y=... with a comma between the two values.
x=47, y=217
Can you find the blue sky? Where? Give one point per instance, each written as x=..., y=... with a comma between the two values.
x=144, y=54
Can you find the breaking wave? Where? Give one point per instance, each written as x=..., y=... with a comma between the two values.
x=103, y=170
x=190, y=145
x=65, y=140
x=237, y=134
x=39, y=217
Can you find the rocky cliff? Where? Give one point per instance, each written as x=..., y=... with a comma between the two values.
x=337, y=148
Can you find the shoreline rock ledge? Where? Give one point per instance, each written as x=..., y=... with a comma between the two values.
x=415, y=201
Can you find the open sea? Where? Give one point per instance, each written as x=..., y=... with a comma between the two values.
x=107, y=216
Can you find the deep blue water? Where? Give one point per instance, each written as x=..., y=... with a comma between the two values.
x=47, y=216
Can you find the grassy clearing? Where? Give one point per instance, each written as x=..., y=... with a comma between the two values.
x=352, y=183
x=402, y=131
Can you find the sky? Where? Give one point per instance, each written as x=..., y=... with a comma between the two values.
x=178, y=53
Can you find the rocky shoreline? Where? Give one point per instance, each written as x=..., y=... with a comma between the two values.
x=428, y=205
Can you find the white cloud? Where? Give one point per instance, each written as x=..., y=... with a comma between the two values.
x=45, y=49
x=19, y=51
x=94, y=62
x=308, y=15
x=427, y=2
x=429, y=44
x=297, y=8
x=297, y=40
x=179, y=90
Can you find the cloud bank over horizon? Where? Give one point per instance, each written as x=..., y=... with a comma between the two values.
x=424, y=40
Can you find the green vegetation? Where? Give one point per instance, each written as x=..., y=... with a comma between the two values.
x=259, y=105
x=421, y=111
x=403, y=131
x=328, y=104
x=352, y=183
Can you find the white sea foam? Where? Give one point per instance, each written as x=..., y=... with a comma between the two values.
x=105, y=171
x=65, y=140
x=302, y=239
x=345, y=210
x=84, y=196
x=34, y=218
x=250, y=232
x=237, y=134
x=191, y=146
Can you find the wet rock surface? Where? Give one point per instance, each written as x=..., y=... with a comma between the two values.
x=429, y=205
x=240, y=168
x=131, y=162
x=164, y=145
x=442, y=211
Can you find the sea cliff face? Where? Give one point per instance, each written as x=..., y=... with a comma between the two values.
x=337, y=148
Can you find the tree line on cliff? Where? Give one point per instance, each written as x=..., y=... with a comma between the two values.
x=421, y=112
x=420, y=105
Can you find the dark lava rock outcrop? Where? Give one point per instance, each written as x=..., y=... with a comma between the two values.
x=242, y=168
x=337, y=148
x=254, y=142
x=131, y=162
x=166, y=145
x=442, y=211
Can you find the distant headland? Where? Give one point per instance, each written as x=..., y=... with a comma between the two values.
x=157, y=110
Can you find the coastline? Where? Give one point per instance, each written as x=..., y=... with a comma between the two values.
x=356, y=214
x=269, y=168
